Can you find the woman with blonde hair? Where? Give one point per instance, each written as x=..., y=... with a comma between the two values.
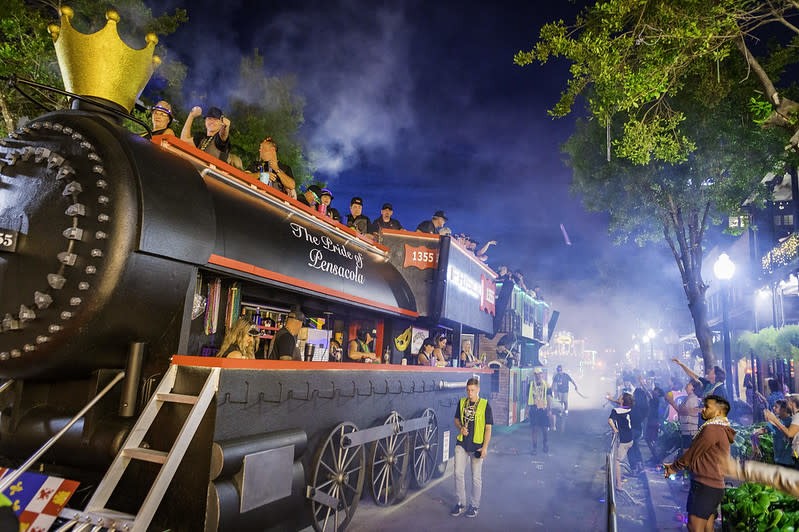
x=240, y=341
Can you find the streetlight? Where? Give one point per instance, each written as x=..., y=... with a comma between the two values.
x=649, y=337
x=724, y=269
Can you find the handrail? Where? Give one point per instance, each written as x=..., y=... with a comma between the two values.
x=10, y=479
x=5, y=385
x=611, y=484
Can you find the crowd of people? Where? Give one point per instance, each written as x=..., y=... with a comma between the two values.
x=214, y=139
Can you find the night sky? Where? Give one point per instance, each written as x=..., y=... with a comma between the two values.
x=419, y=104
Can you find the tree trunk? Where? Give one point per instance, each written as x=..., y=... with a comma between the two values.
x=7, y=118
x=684, y=233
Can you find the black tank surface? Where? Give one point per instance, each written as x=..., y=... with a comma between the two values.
x=105, y=227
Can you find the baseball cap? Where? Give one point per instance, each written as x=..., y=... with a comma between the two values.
x=214, y=112
x=356, y=201
x=538, y=370
x=440, y=214
x=326, y=192
x=387, y=206
x=296, y=315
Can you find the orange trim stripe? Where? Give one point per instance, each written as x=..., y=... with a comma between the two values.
x=239, y=363
x=245, y=267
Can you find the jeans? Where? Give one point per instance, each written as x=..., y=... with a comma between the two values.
x=461, y=457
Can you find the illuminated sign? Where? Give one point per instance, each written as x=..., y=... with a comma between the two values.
x=463, y=282
x=420, y=257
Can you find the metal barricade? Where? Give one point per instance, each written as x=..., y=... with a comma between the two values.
x=610, y=496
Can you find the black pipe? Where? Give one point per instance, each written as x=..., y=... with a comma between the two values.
x=130, y=387
x=227, y=455
x=223, y=503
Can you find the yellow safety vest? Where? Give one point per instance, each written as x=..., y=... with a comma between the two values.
x=538, y=395
x=479, y=419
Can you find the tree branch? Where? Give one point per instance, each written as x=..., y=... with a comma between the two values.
x=768, y=86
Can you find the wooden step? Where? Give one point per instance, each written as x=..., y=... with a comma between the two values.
x=147, y=455
x=176, y=398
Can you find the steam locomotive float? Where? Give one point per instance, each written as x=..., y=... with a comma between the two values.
x=116, y=252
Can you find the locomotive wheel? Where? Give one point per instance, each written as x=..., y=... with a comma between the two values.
x=388, y=465
x=338, y=472
x=425, y=450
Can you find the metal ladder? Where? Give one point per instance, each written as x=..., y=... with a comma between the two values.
x=96, y=516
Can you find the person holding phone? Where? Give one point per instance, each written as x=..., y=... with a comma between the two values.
x=473, y=419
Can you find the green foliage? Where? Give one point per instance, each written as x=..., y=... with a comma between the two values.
x=637, y=59
x=267, y=106
x=26, y=51
x=749, y=446
x=770, y=343
x=755, y=507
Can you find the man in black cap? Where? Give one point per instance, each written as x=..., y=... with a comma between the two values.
x=385, y=220
x=326, y=198
x=311, y=196
x=216, y=140
x=356, y=219
x=435, y=225
x=285, y=339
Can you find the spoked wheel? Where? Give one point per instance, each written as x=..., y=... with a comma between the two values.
x=388, y=465
x=425, y=450
x=338, y=475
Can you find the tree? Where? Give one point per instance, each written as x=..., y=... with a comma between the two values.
x=676, y=203
x=26, y=48
x=262, y=106
x=636, y=55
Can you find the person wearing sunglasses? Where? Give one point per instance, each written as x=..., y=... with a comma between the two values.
x=241, y=340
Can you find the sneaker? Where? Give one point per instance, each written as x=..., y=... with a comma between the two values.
x=471, y=512
x=457, y=510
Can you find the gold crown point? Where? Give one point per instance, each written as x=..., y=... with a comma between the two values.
x=156, y=61
x=101, y=64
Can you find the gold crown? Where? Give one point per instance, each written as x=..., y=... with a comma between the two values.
x=100, y=64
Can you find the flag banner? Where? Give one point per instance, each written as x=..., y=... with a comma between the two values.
x=37, y=499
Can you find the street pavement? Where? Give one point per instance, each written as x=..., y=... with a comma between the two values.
x=562, y=491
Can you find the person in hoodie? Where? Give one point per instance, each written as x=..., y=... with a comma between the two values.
x=707, y=459
x=621, y=424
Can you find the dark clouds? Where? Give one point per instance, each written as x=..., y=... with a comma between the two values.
x=419, y=103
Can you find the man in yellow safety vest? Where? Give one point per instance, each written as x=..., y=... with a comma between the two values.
x=473, y=419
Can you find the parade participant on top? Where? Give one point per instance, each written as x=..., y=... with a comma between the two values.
x=326, y=198
x=620, y=424
x=539, y=401
x=707, y=459
x=240, y=340
x=311, y=196
x=162, y=119
x=386, y=220
x=356, y=219
x=435, y=225
x=216, y=140
x=359, y=350
x=270, y=170
x=560, y=384
x=285, y=340
x=473, y=419
x=713, y=382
